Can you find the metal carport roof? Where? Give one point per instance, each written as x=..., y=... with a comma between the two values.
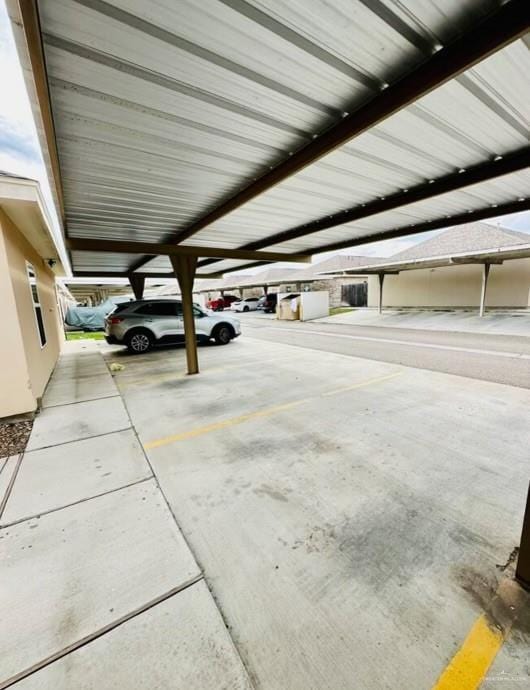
x=291, y=127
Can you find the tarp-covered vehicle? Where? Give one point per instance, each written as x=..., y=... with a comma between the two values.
x=89, y=318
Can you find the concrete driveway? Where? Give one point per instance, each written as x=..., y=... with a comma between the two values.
x=355, y=520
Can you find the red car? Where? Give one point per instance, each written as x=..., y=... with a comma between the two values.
x=220, y=303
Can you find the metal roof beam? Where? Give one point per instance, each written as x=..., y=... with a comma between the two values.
x=496, y=31
x=155, y=249
x=436, y=224
x=449, y=183
x=482, y=172
x=126, y=274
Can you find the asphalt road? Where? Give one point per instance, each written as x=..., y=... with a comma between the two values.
x=498, y=358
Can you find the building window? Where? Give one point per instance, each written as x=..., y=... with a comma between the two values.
x=36, y=303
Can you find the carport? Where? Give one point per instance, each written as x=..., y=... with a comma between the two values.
x=485, y=258
x=175, y=169
x=202, y=139
x=97, y=290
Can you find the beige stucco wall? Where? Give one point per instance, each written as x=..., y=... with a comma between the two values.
x=455, y=286
x=15, y=386
x=26, y=366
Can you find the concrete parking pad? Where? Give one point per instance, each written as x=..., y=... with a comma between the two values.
x=516, y=322
x=65, y=423
x=350, y=515
x=181, y=644
x=72, y=572
x=69, y=388
x=54, y=477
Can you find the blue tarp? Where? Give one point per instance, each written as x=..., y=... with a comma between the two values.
x=89, y=318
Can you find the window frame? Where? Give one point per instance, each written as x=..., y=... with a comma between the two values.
x=150, y=309
x=30, y=269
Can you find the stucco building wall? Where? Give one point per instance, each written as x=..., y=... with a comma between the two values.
x=26, y=366
x=455, y=286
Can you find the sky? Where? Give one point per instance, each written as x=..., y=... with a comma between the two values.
x=20, y=153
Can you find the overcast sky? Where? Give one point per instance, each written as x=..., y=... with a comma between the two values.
x=20, y=152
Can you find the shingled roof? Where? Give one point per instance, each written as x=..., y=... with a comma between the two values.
x=462, y=238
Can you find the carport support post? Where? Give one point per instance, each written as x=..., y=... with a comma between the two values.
x=184, y=267
x=485, y=274
x=381, y=277
x=137, y=281
x=522, y=571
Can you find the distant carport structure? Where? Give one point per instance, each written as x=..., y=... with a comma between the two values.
x=270, y=277
x=221, y=135
x=453, y=248
x=97, y=290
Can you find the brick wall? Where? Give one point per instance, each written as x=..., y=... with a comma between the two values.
x=332, y=285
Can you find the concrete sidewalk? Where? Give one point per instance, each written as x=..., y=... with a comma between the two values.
x=500, y=322
x=100, y=589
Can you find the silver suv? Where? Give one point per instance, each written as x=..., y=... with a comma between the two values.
x=141, y=324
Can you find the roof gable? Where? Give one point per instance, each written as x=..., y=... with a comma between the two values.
x=469, y=237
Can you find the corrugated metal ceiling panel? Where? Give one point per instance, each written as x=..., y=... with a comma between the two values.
x=164, y=110
x=474, y=197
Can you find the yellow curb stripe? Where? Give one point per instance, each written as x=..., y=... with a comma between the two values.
x=380, y=379
x=222, y=424
x=472, y=661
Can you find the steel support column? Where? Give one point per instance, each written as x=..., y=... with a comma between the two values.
x=485, y=275
x=184, y=267
x=381, y=280
x=522, y=570
x=137, y=281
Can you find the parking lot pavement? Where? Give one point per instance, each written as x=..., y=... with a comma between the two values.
x=498, y=358
x=354, y=519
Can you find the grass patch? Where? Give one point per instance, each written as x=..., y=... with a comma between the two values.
x=339, y=310
x=81, y=335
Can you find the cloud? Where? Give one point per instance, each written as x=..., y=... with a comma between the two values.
x=18, y=143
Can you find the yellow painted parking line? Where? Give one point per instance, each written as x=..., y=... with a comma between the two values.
x=470, y=664
x=380, y=379
x=223, y=424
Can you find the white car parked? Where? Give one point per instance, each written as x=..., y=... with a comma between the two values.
x=249, y=304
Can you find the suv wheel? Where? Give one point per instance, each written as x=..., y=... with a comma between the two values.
x=139, y=342
x=223, y=335
x=246, y=308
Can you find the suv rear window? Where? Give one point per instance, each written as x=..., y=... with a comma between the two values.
x=120, y=307
x=159, y=309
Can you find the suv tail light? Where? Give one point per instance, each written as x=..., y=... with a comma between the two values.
x=115, y=319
